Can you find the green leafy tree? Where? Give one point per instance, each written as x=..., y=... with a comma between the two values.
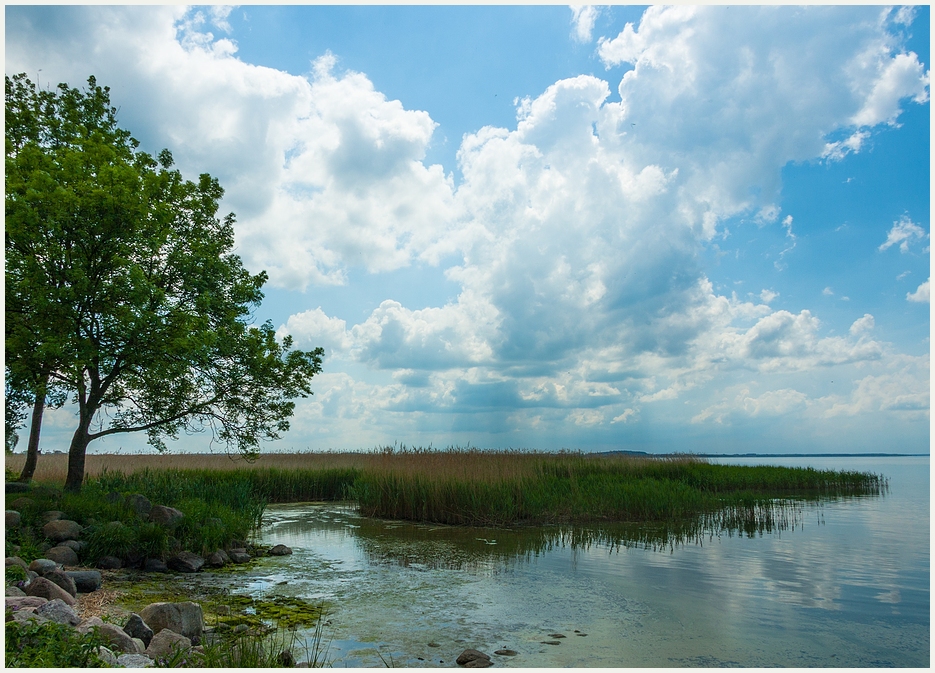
x=127, y=291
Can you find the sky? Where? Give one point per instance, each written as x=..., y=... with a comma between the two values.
x=683, y=229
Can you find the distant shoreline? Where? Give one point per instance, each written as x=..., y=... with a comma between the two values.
x=771, y=455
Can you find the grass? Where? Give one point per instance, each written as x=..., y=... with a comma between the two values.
x=462, y=486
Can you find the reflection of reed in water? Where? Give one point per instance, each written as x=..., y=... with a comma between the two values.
x=489, y=549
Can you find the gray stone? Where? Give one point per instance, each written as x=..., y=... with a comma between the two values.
x=165, y=643
x=85, y=581
x=185, y=562
x=59, y=612
x=60, y=578
x=16, y=487
x=216, y=559
x=135, y=661
x=165, y=516
x=30, y=576
x=239, y=556
x=479, y=663
x=52, y=515
x=42, y=565
x=22, y=503
x=63, y=555
x=155, y=565
x=285, y=659
x=140, y=504
x=280, y=550
x=89, y=623
x=107, y=656
x=28, y=615
x=15, y=603
x=137, y=628
x=76, y=545
x=140, y=645
x=49, y=590
x=61, y=530
x=117, y=639
x=14, y=591
x=507, y=653
x=184, y=618
x=109, y=563
x=13, y=518
x=16, y=561
x=470, y=655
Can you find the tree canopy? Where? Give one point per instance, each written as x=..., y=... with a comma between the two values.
x=122, y=288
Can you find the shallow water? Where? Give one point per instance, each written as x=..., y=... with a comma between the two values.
x=846, y=584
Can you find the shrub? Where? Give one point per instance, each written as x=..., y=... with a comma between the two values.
x=50, y=645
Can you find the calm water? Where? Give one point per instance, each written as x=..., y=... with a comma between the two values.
x=847, y=584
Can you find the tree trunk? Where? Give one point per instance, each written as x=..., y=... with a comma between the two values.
x=76, y=454
x=32, y=448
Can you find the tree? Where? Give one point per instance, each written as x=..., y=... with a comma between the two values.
x=128, y=292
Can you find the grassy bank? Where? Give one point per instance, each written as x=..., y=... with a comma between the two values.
x=484, y=488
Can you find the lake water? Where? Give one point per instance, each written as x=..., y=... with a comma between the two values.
x=845, y=585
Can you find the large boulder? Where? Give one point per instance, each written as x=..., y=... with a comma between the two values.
x=61, y=578
x=22, y=503
x=280, y=550
x=185, y=618
x=41, y=566
x=140, y=504
x=44, y=588
x=90, y=623
x=165, y=643
x=107, y=657
x=15, y=603
x=216, y=559
x=60, y=612
x=14, y=591
x=85, y=581
x=76, y=545
x=165, y=516
x=474, y=659
x=155, y=565
x=16, y=561
x=186, y=562
x=137, y=628
x=13, y=518
x=109, y=563
x=135, y=661
x=63, y=555
x=117, y=639
x=238, y=556
x=61, y=530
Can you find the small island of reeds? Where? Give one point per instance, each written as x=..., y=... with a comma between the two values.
x=470, y=486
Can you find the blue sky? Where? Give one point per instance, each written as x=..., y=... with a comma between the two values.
x=668, y=229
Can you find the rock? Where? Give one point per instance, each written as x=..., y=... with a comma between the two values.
x=66, y=556
x=109, y=563
x=117, y=639
x=155, y=565
x=16, y=561
x=14, y=592
x=165, y=643
x=140, y=645
x=551, y=642
x=52, y=515
x=280, y=550
x=216, y=559
x=59, y=612
x=185, y=618
x=165, y=516
x=22, y=503
x=85, y=581
x=239, y=556
x=107, y=656
x=16, y=487
x=42, y=565
x=556, y=635
x=89, y=624
x=140, y=504
x=76, y=545
x=44, y=588
x=479, y=663
x=185, y=562
x=13, y=518
x=135, y=661
x=15, y=603
x=470, y=655
x=137, y=628
x=285, y=659
x=61, y=578
x=28, y=615
x=61, y=530
x=507, y=653
x=30, y=576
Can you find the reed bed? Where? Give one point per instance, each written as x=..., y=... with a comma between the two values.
x=470, y=486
